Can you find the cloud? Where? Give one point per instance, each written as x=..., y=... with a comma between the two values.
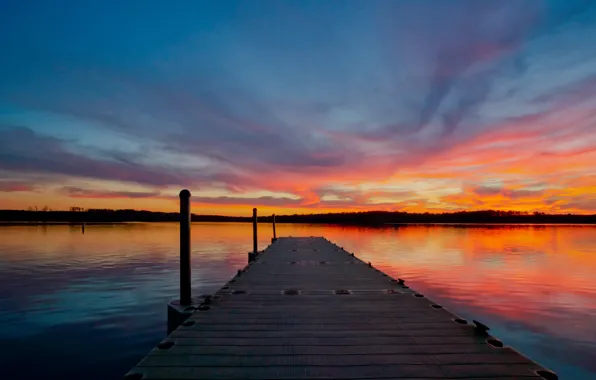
x=471, y=43
x=77, y=192
x=243, y=201
x=342, y=199
x=505, y=193
x=569, y=195
x=486, y=190
x=582, y=204
x=21, y=149
x=17, y=186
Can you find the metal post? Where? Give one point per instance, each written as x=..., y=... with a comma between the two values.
x=274, y=235
x=185, y=294
x=254, y=230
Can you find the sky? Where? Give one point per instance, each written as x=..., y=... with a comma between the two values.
x=299, y=106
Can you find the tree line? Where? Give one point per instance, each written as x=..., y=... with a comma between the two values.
x=78, y=215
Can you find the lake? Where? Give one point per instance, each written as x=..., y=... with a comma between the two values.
x=91, y=305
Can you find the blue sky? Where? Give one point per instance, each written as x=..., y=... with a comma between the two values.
x=299, y=105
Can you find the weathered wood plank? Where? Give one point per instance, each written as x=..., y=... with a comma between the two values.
x=393, y=349
x=283, y=360
x=412, y=327
x=365, y=334
x=294, y=372
x=207, y=360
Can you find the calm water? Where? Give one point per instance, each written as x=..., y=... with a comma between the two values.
x=90, y=306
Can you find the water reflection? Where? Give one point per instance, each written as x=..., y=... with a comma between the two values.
x=80, y=295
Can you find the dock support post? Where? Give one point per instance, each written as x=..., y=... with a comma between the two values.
x=179, y=310
x=274, y=234
x=185, y=292
x=254, y=230
x=252, y=255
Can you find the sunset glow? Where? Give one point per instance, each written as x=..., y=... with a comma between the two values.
x=299, y=107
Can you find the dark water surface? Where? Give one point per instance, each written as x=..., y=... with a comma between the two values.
x=90, y=306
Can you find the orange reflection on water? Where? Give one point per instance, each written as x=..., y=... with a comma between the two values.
x=534, y=285
x=125, y=243
x=542, y=276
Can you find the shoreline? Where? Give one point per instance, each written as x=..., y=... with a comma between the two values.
x=352, y=224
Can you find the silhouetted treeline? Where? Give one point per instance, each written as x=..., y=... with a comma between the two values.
x=106, y=216
x=356, y=218
x=388, y=217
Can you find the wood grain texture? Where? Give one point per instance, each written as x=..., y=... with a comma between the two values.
x=307, y=309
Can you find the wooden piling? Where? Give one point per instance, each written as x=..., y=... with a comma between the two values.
x=185, y=290
x=274, y=234
x=254, y=231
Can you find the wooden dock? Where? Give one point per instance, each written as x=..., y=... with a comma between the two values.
x=307, y=309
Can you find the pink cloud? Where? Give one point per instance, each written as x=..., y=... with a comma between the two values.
x=17, y=186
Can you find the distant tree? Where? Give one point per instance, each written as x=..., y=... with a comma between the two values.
x=78, y=214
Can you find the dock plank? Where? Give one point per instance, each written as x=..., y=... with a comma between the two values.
x=307, y=309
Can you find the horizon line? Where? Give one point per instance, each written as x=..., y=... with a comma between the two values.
x=519, y=213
